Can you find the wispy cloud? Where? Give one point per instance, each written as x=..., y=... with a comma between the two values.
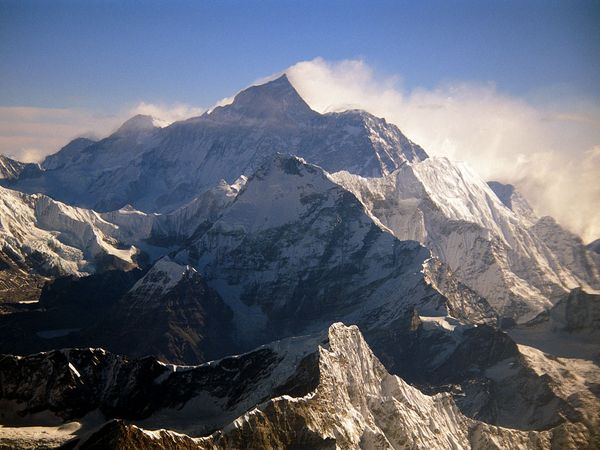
x=30, y=133
x=167, y=114
x=550, y=153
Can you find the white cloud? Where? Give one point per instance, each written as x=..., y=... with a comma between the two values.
x=30, y=133
x=167, y=114
x=552, y=153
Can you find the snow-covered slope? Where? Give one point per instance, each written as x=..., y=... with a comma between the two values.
x=360, y=226
x=358, y=404
x=11, y=169
x=295, y=252
x=487, y=234
x=157, y=169
x=322, y=391
x=514, y=200
x=160, y=279
x=494, y=250
x=194, y=217
x=67, y=154
x=172, y=313
x=156, y=234
x=95, y=174
x=567, y=247
x=50, y=237
x=570, y=251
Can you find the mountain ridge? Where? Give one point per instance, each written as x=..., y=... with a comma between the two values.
x=252, y=230
x=323, y=389
x=153, y=170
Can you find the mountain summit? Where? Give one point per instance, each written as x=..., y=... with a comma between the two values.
x=275, y=100
x=136, y=124
x=160, y=169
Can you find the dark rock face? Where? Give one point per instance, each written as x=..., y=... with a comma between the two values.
x=92, y=292
x=284, y=428
x=481, y=348
x=11, y=169
x=116, y=435
x=463, y=362
x=577, y=312
x=594, y=246
x=188, y=324
x=68, y=303
x=67, y=154
x=287, y=393
x=522, y=400
x=570, y=251
x=463, y=303
x=503, y=191
x=71, y=383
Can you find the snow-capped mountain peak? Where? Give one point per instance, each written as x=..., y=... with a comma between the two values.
x=486, y=236
x=327, y=390
x=137, y=124
x=66, y=154
x=513, y=200
x=161, y=169
x=162, y=277
x=279, y=221
x=275, y=100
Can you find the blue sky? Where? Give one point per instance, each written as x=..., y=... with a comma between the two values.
x=96, y=54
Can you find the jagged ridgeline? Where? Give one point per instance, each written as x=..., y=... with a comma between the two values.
x=153, y=255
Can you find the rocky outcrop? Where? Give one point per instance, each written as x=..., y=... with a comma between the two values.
x=578, y=312
x=170, y=314
x=326, y=391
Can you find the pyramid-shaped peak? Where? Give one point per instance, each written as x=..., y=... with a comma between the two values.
x=275, y=99
x=279, y=89
x=136, y=124
x=282, y=82
x=162, y=277
x=503, y=191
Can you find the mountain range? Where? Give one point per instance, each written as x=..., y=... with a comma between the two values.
x=376, y=297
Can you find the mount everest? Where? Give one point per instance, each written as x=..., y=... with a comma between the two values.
x=261, y=221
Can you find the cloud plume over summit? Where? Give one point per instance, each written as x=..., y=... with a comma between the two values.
x=551, y=153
